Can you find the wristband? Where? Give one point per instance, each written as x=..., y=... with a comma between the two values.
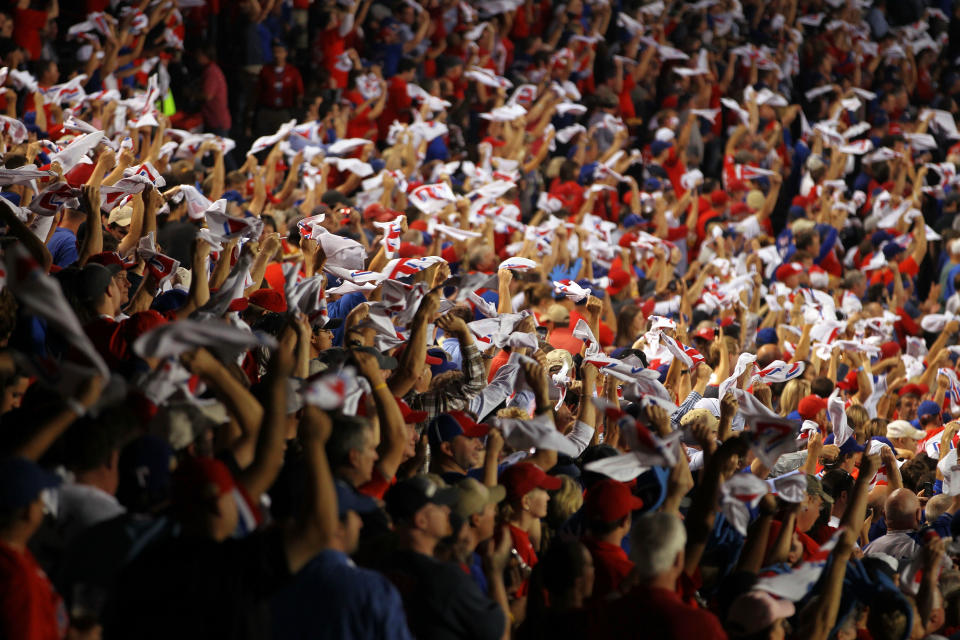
x=76, y=406
x=379, y=385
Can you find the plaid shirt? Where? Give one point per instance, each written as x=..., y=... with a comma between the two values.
x=474, y=380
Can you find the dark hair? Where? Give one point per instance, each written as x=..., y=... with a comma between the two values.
x=599, y=528
x=822, y=387
x=555, y=575
x=804, y=239
x=836, y=482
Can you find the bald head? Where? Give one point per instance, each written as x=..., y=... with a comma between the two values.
x=902, y=509
x=767, y=354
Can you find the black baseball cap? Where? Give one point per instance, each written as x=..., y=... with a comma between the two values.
x=406, y=498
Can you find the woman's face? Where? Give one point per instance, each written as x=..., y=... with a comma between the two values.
x=536, y=502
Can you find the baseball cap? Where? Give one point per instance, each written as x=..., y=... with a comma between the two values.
x=447, y=426
x=788, y=269
x=409, y=415
x=718, y=197
x=407, y=497
x=914, y=388
x=889, y=349
x=473, y=497
x=439, y=361
x=755, y=611
x=632, y=220
x=927, y=408
x=659, y=146
x=558, y=313
x=706, y=333
x=852, y=446
x=891, y=249
x=609, y=500
x=809, y=406
x=121, y=216
x=767, y=335
x=107, y=258
x=903, y=429
x=21, y=481
x=269, y=299
x=95, y=278
x=524, y=477
x=199, y=480
x=145, y=468
x=383, y=360
x=349, y=499
x=618, y=280
x=815, y=487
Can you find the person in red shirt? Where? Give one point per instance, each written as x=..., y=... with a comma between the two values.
x=29, y=25
x=608, y=506
x=280, y=91
x=215, y=112
x=30, y=608
x=527, y=497
x=399, y=101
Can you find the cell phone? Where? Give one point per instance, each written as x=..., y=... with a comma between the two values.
x=927, y=488
x=542, y=332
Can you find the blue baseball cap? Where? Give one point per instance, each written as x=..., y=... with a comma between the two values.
x=659, y=146
x=232, y=195
x=437, y=353
x=632, y=220
x=447, y=426
x=851, y=446
x=11, y=196
x=928, y=408
x=767, y=335
x=349, y=499
x=145, y=469
x=879, y=237
x=891, y=249
x=21, y=482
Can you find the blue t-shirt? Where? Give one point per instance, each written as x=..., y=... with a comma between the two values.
x=63, y=247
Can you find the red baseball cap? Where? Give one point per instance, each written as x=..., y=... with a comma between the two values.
x=707, y=333
x=788, y=269
x=718, y=197
x=409, y=415
x=618, y=280
x=447, y=426
x=106, y=258
x=197, y=481
x=269, y=299
x=918, y=389
x=524, y=477
x=889, y=350
x=409, y=250
x=610, y=500
x=810, y=406
x=849, y=383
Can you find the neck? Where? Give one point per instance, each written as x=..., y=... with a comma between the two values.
x=446, y=464
x=16, y=538
x=348, y=475
x=523, y=521
x=99, y=478
x=414, y=540
x=73, y=225
x=666, y=581
x=614, y=537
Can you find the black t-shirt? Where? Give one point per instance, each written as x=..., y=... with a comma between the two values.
x=442, y=602
x=194, y=588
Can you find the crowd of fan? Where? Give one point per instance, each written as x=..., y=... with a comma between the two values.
x=453, y=319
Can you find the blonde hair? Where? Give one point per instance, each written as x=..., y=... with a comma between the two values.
x=514, y=413
x=857, y=418
x=792, y=392
x=565, y=502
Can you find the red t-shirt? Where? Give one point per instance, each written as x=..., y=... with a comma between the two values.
x=610, y=564
x=28, y=24
x=30, y=608
x=377, y=486
x=280, y=88
x=908, y=267
x=521, y=542
x=562, y=338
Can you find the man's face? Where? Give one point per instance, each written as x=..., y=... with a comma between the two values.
x=484, y=523
x=123, y=287
x=467, y=452
x=436, y=520
x=410, y=449
x=809, y=512
x=13, y=394
x=280, y=55
x=908, y=407
x=364, y=458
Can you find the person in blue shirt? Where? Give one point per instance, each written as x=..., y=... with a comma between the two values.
x=333, y=598
x=63, y=244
